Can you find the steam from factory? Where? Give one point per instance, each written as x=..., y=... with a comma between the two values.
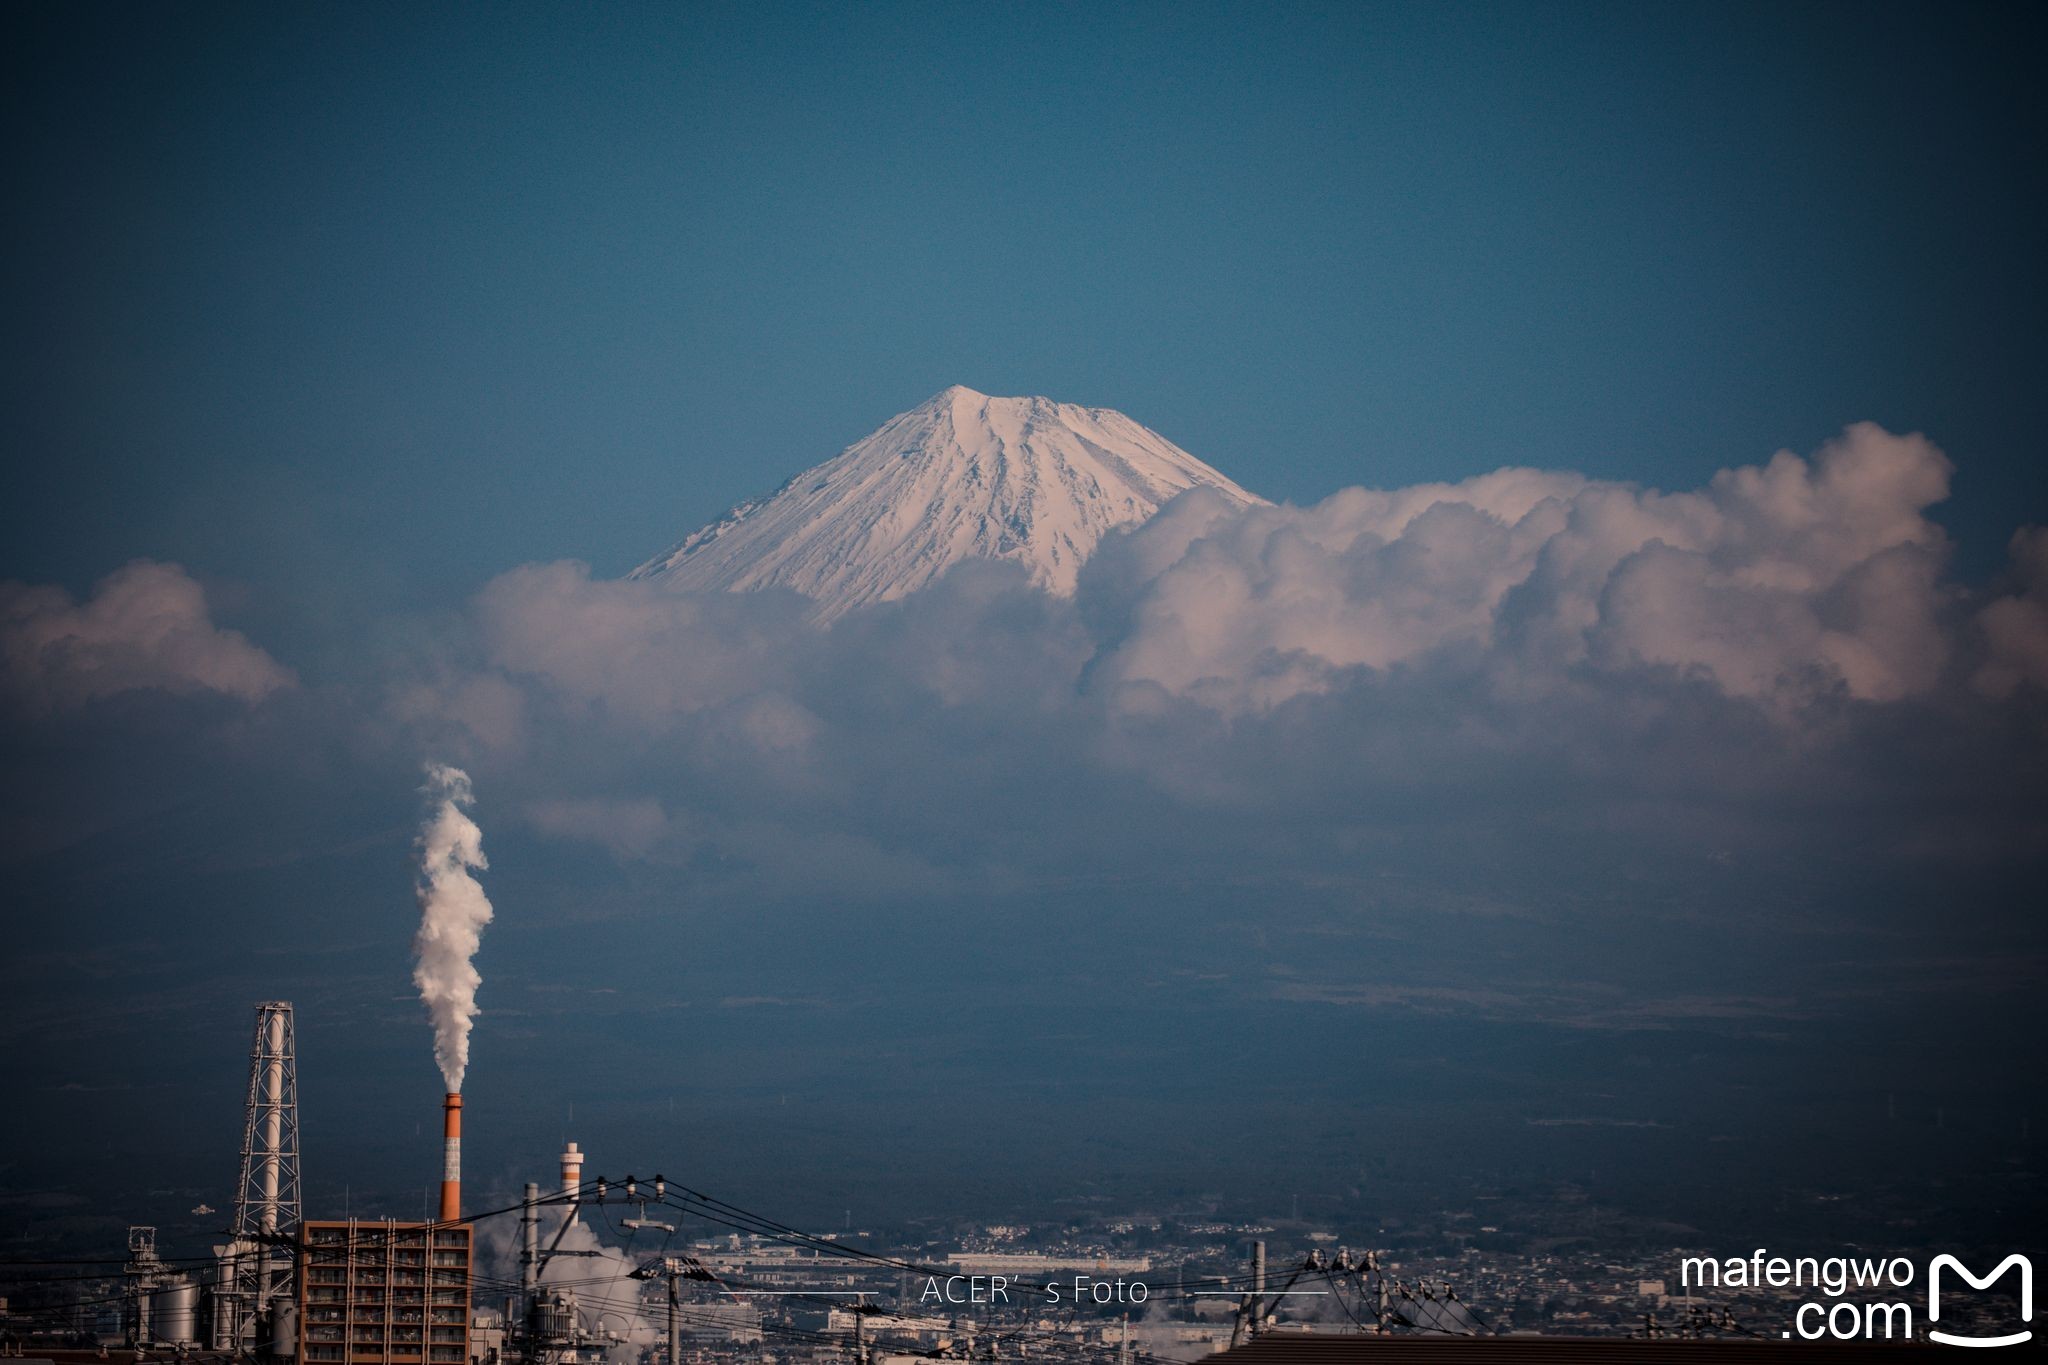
x=453, y=913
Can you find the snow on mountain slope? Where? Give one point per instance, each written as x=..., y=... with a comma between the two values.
x=961, y=476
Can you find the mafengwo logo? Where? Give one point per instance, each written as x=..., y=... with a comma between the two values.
x=1859, y=1318
x=1934, y=1269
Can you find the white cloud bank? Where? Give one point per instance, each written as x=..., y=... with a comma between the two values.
x=1796, y=581
x=2016, y=627
x=1777, y=581
x=145, y=627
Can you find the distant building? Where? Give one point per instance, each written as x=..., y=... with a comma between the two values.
x=487, y=1337
x=926, y=1331
x=1024, y=1263
x=736, y=1323
x=384, y=1293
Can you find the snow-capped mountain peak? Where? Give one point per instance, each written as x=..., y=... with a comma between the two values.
x=960, y=476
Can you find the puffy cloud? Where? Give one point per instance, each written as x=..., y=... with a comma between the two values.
x=629, y=828
x=1782, y=583
x=1776, y=580
x=462, y=712
x=1793, y=582
x=2015, y=627
x=641, y=652
x=145, y=627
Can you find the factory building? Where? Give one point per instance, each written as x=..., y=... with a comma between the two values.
x=384, y=1293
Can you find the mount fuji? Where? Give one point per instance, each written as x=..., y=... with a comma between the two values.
x=961, y=476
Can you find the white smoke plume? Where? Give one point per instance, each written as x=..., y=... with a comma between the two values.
x=453, y=913
x=628, y=1313
x=608, y=1299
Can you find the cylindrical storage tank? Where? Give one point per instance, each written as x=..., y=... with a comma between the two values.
x=220, y=1313
x=554, y=1318
x=284, y=1329
x=176, y=1320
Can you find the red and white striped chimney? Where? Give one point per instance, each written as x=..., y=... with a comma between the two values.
x=451, y=1158
x=572, y=1177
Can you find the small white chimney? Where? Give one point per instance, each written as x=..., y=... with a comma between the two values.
x=572, y=1176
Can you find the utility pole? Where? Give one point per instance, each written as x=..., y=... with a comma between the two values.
x=529, y=1244
x=1252, y=1306
x=675, y=1331
x=673, y=1269
x=1258, y=1314
x=529, y=1237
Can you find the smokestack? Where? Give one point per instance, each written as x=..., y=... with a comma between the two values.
x=451, y=1158
x=572, y=1177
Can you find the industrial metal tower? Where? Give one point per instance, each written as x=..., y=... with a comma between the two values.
x=267, y=1198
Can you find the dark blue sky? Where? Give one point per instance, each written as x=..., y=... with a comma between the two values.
x=364, y=304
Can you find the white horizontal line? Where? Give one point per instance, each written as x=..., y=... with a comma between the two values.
x=1241, y=1293
x=799, y=1291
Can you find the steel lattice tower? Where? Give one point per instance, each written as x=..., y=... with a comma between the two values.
x=267, y=1197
